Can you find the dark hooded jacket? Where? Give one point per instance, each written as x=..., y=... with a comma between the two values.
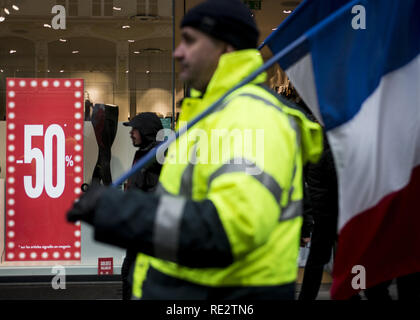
x=148, y=124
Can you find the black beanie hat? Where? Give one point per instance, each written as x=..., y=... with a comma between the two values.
x=227, y=20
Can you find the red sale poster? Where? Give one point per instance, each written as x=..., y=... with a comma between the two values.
x=44, y=156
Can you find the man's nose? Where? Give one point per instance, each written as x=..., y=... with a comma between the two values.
x=178, y=53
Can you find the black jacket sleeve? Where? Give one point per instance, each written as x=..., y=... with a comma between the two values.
x=322, y=189
x=190, y=234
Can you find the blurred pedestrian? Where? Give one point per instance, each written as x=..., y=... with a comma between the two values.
x=144, y=129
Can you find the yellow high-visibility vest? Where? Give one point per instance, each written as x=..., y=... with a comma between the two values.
x=247, y=158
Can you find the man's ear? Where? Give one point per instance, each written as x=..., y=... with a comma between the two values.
x=226, y=47
x=229, y=48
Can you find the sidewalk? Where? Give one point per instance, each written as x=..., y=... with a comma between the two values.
x=324, y=291
x=111, y=290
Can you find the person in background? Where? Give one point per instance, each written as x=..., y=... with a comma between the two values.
x=320, y=209
x=144, y=129
x=322, y=205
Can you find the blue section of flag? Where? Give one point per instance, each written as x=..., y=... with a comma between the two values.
x=308, y=14
x=349, y=63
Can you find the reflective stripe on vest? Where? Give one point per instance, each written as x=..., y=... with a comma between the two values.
x=186, y=179
x=293, y=209
x=248, y=167
x=160, y=190
x=167, y=226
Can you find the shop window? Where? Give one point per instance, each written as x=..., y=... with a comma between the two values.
x=102, y=8
x=72, y=6
x=108, y=11
x=147, y=7
x=141, y=7
x=137, y=80
x=96, y=8
x=153, y=8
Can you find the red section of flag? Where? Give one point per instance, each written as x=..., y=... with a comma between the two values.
x=385, y=240
x=44, y=168
x=105, y=266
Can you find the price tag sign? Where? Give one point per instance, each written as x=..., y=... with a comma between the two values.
x=105, y=266
x=44, y=157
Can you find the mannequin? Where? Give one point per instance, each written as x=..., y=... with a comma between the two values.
x=88, y=106
x=105, y=123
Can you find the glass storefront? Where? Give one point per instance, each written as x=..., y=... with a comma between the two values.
x=122, y=50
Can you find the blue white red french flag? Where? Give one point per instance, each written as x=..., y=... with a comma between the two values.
x=356, y=64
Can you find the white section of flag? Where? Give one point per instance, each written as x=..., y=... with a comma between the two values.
x=376, y=151
x=302, y=76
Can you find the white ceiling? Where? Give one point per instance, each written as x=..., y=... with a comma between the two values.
x=99, y=37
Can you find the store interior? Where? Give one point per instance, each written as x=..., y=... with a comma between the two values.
x=121, y=48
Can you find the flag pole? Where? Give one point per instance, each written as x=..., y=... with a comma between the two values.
x=165, y=144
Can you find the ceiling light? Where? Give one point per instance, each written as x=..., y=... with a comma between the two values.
x=1, y=70
x=63, y=40
x=12, y=51
x=147, y=71
x=48, y=71
x=61, y=71
x=15, y=7
x=137, y=52
x=2, y=18
x=274, y=29
x=116, y=8
x=131, y=40
x=75, y=51
x=126, y=71
x=6, y=11
x=46, y=25
x=125, y=27
x=287, y=11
